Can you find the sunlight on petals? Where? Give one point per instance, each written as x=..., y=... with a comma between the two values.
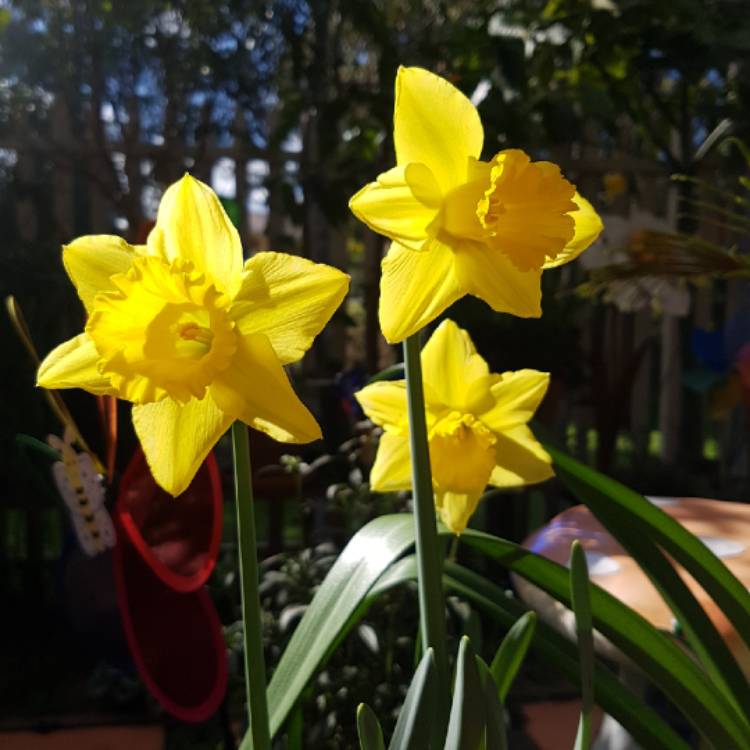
x=180, y=329
x=415, y=288
x=176, y=438
x=73, y=364
x=488, y=230
x=91, y=262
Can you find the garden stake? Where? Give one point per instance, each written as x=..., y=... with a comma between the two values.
x=255, y=669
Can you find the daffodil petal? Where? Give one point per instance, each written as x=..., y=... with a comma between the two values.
x=456, y=508
x=588, y=226
x=401, y=204
x=192, y=225
x=517, y=396
x=391, y=471
x=255, y=389
x=384, y=402
x=415, y=288
x=521, y=459
x=436, y=125
x=453, y=372
x=73, y=364
x=289, y=299
x=489, y=274
x=91, y=261
x=176, y=438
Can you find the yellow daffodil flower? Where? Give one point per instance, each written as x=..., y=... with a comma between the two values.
x=459, y=225
x=476, y=424
x=192, y=337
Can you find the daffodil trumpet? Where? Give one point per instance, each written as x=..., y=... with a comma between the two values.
x=459, y=225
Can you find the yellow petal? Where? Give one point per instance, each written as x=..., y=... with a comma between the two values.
x=73, y=364
x=289, y=299
x=384, y=403
x=588, y=226
x=91, y=261
x=176, y=438
x=392, y=468
x=521, y=459
x=401, y=204
x=415, y=288
x=255, y=389
x=489, y=274
x=453, y=372
x=192, y=225
x=517, y=396
x=456, y=508
x=436, y=125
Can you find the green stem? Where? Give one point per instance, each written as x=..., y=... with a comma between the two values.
x=429, y=562
x=255, y=669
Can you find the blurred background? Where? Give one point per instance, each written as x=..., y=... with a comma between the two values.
x=285, y=108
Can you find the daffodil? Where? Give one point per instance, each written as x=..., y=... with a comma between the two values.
x=476, y=424
x=190, y=335
x=459, y=225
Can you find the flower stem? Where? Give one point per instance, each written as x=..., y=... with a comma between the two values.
x=429, y=562
x=255, y=669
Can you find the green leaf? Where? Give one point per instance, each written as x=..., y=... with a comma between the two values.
x=466, y=726
x=700, y=632
x=511, y=653
x=495, y=736
x=417, y=716
x=398, y=573
x=642, y=723
x=369, y=553
x=394, y=372
x=640, y=526
x=718, y=581
x=295, y=730
x=672, y=670
x=368, y=729
x=31, y=444
x=581, y=601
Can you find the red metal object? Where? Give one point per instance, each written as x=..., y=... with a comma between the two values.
x=165, y=552
x=178, y=537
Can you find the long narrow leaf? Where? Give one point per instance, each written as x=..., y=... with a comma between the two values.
x=511, y=653
x=552, y=648
x=581, y=602
x=398, y=573
x=701, y=634
x=468, y=719
x=369, y=553
x=368, y=729
x=709, y=571
x=495, y=737
x=416, y=719
x=671, y=669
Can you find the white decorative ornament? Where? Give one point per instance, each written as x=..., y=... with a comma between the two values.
x=82, y=489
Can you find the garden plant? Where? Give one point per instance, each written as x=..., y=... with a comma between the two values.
x=197, y=340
